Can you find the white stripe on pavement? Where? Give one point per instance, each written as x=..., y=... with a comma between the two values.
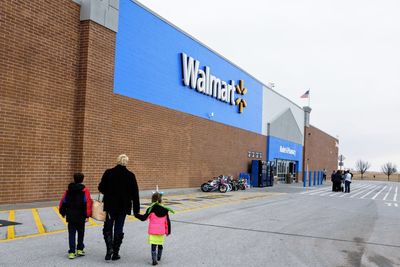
x=357, y=189
x=362, y=191
x=390, y=189
x=395, y=195
x=311, y=192
x=372, y=190
x=377, y=194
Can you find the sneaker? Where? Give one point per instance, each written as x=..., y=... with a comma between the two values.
x=71, y=256
x=80, y=252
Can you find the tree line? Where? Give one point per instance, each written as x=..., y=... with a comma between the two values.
x=388, y=168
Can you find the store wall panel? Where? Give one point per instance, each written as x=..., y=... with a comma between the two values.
x=274, y=105
x=283, y=149
x=285, y=127
x=148, y=67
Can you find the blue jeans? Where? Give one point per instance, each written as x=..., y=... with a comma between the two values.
x=115, y=220
x=72, y=229
x=347, y=186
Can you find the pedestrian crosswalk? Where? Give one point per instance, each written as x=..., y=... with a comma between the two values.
x=379, y=191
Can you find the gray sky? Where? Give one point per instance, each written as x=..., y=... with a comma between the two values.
x=347, y=52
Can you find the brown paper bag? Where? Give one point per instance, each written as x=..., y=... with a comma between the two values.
x=97, y=210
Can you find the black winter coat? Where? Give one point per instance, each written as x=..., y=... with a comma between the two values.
x=76, y=203
x=120, y=190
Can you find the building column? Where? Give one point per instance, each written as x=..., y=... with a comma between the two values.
x=99, y=23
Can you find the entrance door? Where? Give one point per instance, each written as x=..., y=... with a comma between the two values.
x=283, y=167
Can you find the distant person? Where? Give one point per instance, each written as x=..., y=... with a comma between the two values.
x=159, y=225
x=347, y=181
x=324, y=175
x=337, y=181
x=76, y=205
x=121, y=193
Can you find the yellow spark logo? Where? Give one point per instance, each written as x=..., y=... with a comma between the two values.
x=239, y=101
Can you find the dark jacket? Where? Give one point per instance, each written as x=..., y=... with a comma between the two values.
x=120, y=190
x=337, y=178
x=76, y=203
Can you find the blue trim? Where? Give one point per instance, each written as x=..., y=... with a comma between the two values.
x=293, y=151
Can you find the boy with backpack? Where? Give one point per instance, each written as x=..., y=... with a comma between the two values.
x=76, y=205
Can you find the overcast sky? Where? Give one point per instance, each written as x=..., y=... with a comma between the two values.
x=347, y=52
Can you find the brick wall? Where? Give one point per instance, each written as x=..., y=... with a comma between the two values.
x=59, y=115
x=39, y=54
x=174, y=149
x=320, y=151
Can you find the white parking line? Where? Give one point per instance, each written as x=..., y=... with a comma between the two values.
x=372, y=190
x=337, y=193
x=362, y=191
x=390, y=189
x=395, y=195
x=377, y=194
x=357, y=189
x=316, y=191
x=329, y=189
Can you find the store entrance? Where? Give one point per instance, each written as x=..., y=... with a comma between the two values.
x=283, y=167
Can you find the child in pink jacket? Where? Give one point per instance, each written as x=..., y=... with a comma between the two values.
x=159, y=225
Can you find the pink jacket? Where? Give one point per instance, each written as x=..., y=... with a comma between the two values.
x=159, y=222
x=157, y=225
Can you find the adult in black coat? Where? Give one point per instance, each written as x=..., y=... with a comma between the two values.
x=337, y=181
x=121, y=194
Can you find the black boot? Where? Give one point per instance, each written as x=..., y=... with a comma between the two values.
x=160, y=248
x=154, y=257
x=116, y=245
x=108, y=238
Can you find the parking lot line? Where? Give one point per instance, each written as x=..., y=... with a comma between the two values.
x=59, y=215
x=38, y=222
x=390, y=189
x=10, y=228
x=377, y=194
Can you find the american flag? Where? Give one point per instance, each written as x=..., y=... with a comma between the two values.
x=306, y=94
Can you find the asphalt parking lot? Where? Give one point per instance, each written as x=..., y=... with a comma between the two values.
x=282, y=226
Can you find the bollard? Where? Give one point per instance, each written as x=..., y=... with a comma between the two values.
x=309, y=178
x=304, y=179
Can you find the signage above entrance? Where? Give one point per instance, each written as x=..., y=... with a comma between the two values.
x=204, y=82
x=287, y=150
